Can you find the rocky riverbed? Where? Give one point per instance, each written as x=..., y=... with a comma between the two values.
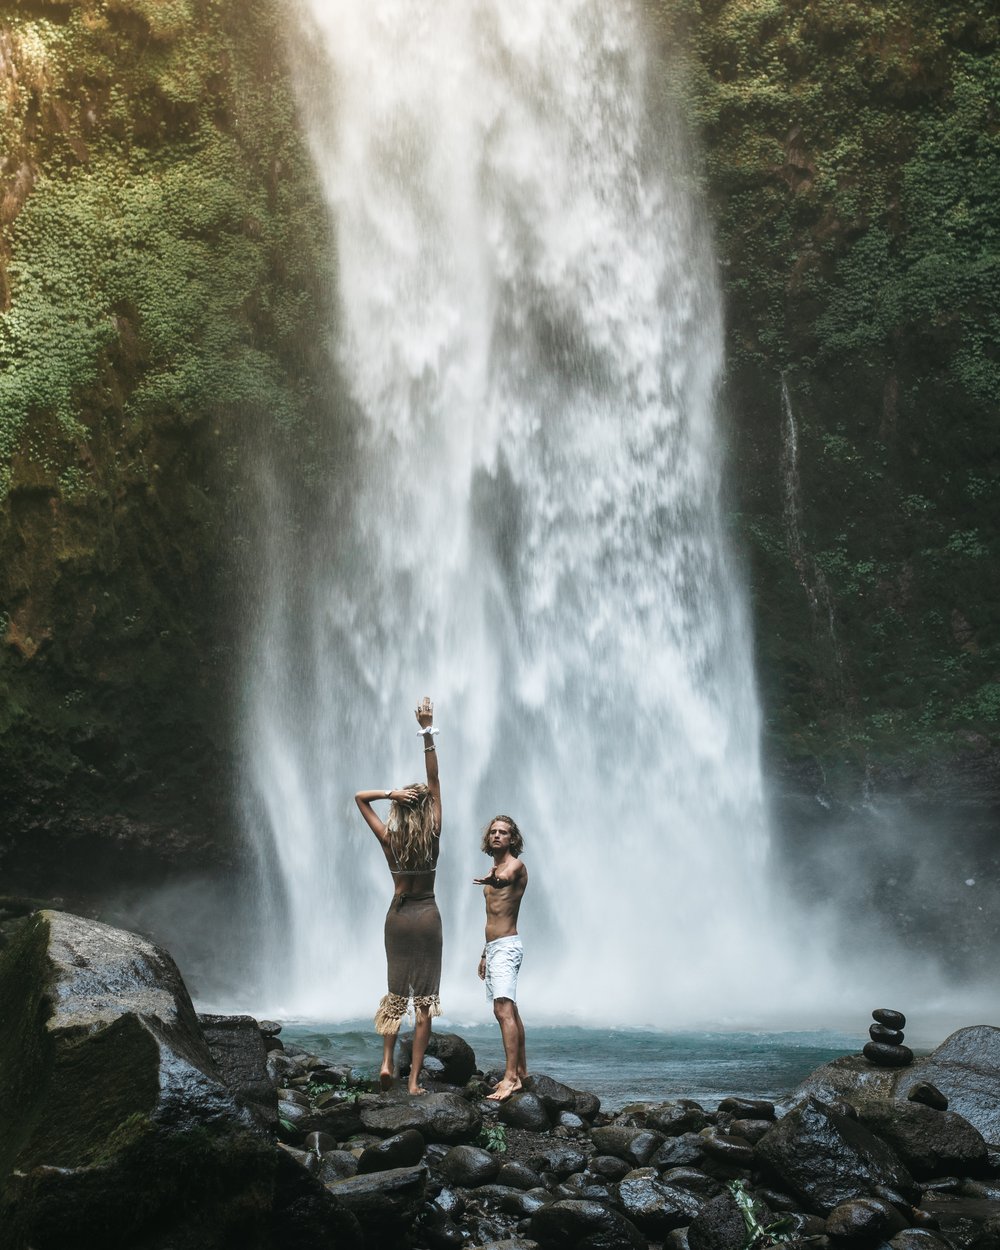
x=131, y=1122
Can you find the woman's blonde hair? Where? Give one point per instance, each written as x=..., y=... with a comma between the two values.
x=412, y=835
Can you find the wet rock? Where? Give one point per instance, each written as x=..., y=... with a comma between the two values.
x=404, y=1150
x=748, y=1108
x=519, y=1175
x=988, y=1237
x=724, y=1148
x=339, y=1118
x=384, y=1203
x=864, y=1219
x=556, y=1096
x=304, y=1215
x=570, y=1120
x=507, y=1243
x=884, y=1055
x=891, y=1019
x=444, y=1118
x=525, y=1110
x=104, y=1060
x=610, y=1167
x=582, y=1225
x=304, y=1158
x=562, y=1161
x=963, y=1221
x=294, y=1112
x=719, y=1225
x=688, y=1150
x=825, y=1158
x=457, y=1057
x=966, y=1069
x=930, y=1143
x=800, y=1223
x=469, y=1166
x=980, y=1189
x=676, y=1239
x=280, y=1067
x=524, y=1202
x=917, y=1239
x=269, y=1028
x=749, y=1130
x=319, y=1142
x=237, y=1047
x=851, y=1077
x=928, y=1094
x=635, y=1145
x=694, y=1181
x=674, y=1118
x=653, y=1207
x=587, y=1105
x=776, y=1199
x=450, y=1202
x=441, y=1233
x=586, y=1185
x=337, y=1165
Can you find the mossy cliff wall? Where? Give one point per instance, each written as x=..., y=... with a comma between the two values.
x=160, y=249
x=852, y=161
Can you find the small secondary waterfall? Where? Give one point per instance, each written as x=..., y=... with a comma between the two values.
x=528, y=528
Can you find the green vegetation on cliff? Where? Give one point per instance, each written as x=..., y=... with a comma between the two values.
x=852, y=158
x=160, y=238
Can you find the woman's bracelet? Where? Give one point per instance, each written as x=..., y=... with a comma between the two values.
x=429, y=729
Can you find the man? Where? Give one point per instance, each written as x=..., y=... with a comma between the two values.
x=503, y=890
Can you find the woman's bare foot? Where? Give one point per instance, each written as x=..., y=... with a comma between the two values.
x=417, y=1089
x=505, y=1089
x=385, y=1081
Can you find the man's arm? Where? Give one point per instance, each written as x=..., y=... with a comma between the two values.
x=513, y=874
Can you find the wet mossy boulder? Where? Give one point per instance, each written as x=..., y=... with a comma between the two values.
x=119, y=1130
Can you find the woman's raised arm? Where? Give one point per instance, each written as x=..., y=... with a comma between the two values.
x=425, y=719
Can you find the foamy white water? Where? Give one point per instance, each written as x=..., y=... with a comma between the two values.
x=528, y=527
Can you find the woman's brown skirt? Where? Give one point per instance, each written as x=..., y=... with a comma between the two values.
x=413, y=956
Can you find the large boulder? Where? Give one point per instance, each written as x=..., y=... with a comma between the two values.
x=115, y=1116
x=966, y=1069
x=236, y=1045
x=851, y=1077
x=444, y=1118
x=826, y=1158
x=930, y=1143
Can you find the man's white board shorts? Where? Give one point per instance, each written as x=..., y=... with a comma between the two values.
x=503, y=959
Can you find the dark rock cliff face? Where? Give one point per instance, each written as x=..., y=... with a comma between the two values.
x=162, y=257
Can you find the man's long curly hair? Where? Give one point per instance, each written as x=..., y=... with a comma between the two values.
x=412, y=835
x=516, y=841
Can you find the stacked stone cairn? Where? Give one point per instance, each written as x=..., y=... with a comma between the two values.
x=886, y=1049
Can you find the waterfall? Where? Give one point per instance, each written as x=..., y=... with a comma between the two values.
x=528, y=526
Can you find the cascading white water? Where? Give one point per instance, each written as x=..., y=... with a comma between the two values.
x=532, y=533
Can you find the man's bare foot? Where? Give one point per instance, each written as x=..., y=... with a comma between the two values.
x=504, y=1090
x=385, y=1081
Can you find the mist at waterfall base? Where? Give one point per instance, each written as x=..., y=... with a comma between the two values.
x=528, y=524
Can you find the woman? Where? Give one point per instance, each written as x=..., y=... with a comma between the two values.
x=410, y=841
